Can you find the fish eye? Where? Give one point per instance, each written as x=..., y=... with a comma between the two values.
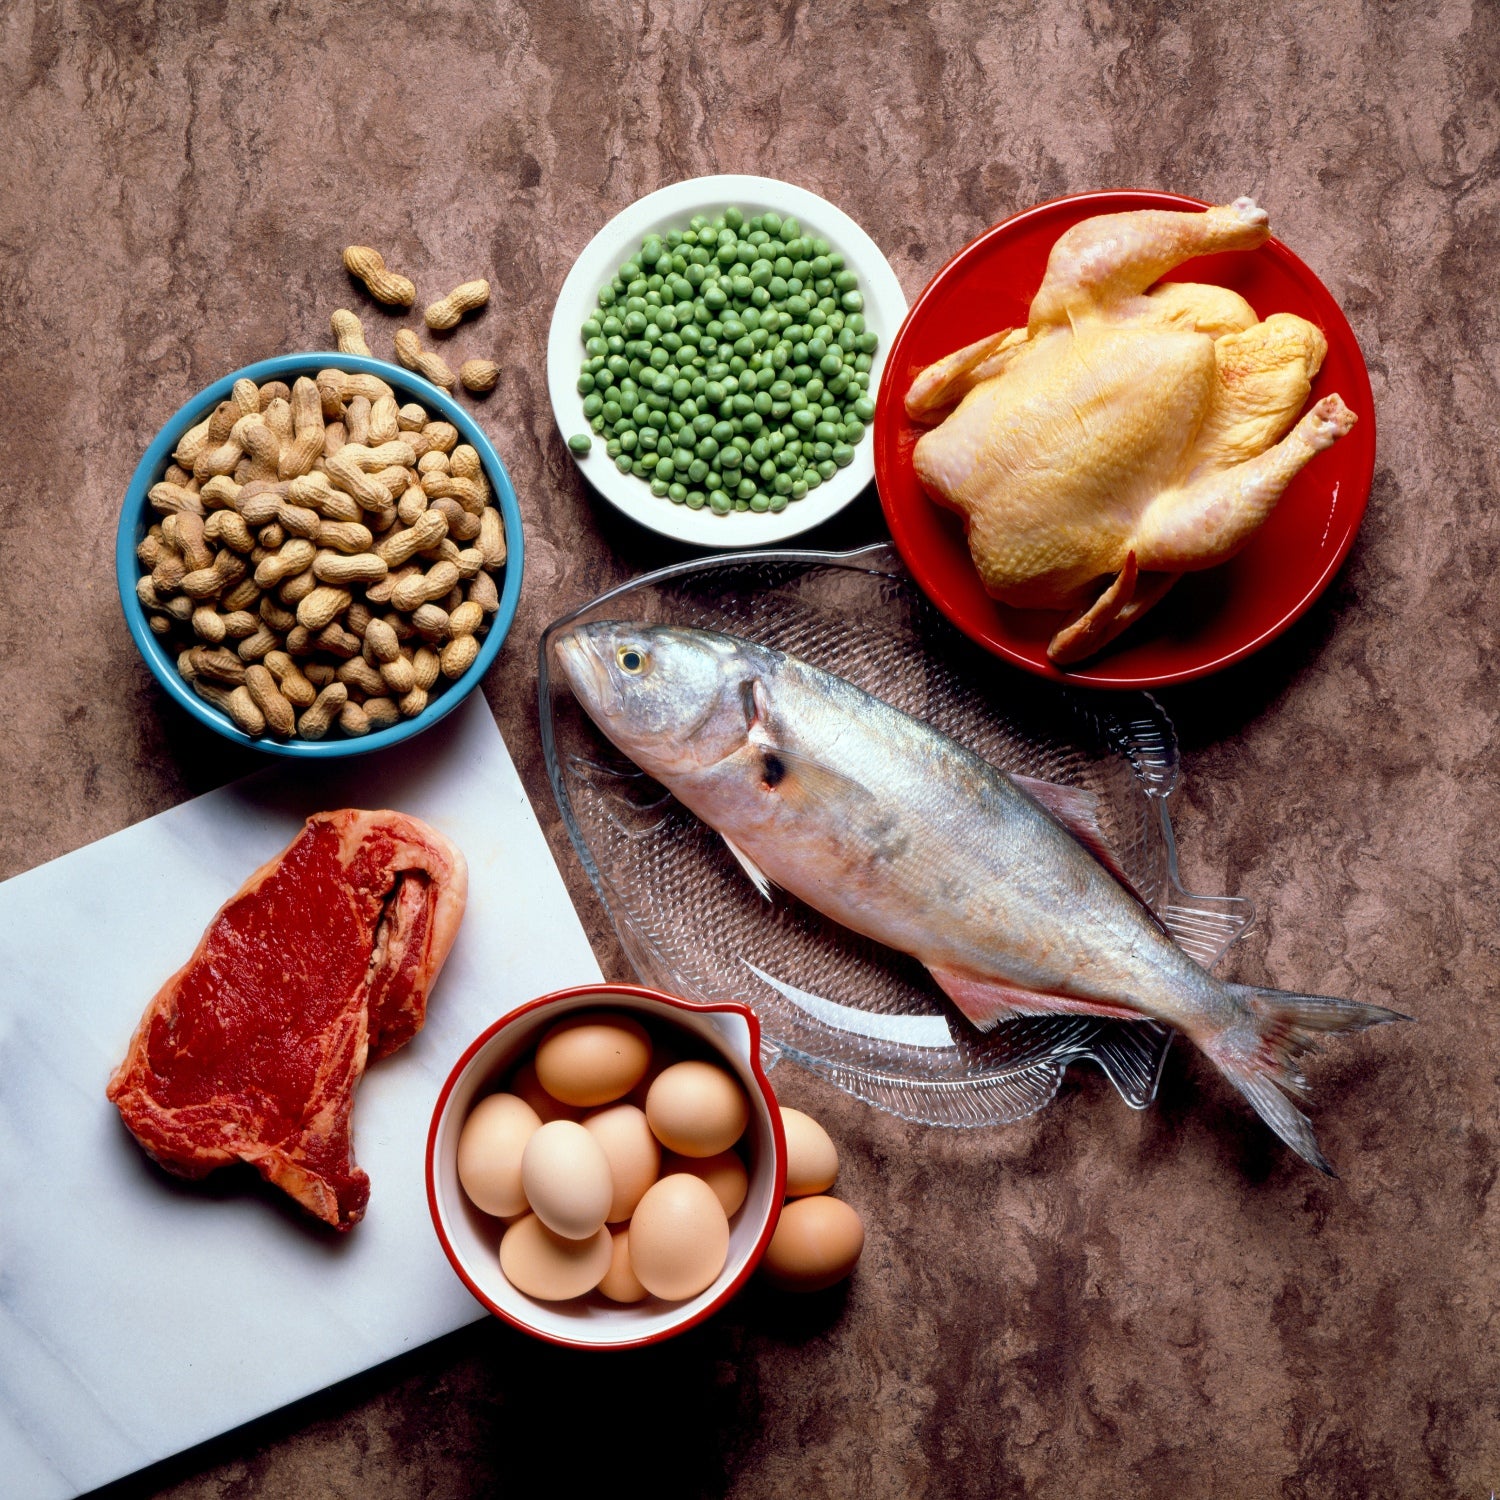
x=631, y=660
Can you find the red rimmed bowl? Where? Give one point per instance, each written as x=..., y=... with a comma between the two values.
x=1209, y=619
x=471, y=1239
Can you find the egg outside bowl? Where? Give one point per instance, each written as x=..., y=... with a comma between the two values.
x=671, y=208
x=471, y=1239
x=137, y=516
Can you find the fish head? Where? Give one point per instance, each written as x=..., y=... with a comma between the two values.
x=673, y=699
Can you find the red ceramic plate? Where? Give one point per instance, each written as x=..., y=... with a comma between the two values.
x=1210, y=619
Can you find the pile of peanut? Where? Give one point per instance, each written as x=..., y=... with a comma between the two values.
x=324, y=557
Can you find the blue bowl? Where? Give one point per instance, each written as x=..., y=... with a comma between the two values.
x=136, y=519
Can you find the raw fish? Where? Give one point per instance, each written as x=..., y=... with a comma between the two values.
x=1001, y=886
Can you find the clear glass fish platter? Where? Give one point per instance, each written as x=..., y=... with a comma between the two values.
x=864, y=1016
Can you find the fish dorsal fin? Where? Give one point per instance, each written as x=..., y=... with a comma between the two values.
x=1078, y=812
x=758, y=877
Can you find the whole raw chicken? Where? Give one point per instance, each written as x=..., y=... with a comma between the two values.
x=1130, y=432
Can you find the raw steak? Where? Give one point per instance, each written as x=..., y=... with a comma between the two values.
x=251, y=1051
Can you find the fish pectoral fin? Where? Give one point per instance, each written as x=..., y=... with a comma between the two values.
x=985, y=1002
x=1078, y=812
x=758, y=877
x=804, y=781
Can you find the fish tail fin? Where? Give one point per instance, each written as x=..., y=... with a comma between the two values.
x=1259, y=1054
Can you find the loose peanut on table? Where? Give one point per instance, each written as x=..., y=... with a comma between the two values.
x=349, y=332
x=320, y=562
x=479, y=376
x=410, y=352
x=385, y=285
x=446, y=312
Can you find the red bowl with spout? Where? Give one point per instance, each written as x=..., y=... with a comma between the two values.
x=471, y=1239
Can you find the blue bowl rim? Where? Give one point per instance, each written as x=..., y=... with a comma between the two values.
x=135, y=521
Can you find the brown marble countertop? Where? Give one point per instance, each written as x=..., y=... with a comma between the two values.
x=1093, y=1303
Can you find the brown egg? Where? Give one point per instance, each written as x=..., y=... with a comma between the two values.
x=724, y=1173
x=817, y=1242
x=565, y=1176
x=594, y=1058
x=632, y=1152
x=811, y=1160
x=663, y=1056
x=524, y=1084
x=548, y=1267
x=620, y=1283
x=679, y=1237
x=489, y=1153
x=697, y=1109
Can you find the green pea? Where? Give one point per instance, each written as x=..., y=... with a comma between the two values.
x=720, y=503
x=708, y=448
x=827, y=468
x=677, y=493
x=580, y=442
x=853, y=432
x=622, y=463
x=695, y=499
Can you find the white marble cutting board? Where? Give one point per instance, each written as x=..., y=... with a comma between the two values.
x=139, y=1315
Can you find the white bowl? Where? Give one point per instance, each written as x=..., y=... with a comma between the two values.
x=671, y=208
x=471, y=1240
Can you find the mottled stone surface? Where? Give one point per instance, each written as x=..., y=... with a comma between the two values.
x=1095, y=1303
